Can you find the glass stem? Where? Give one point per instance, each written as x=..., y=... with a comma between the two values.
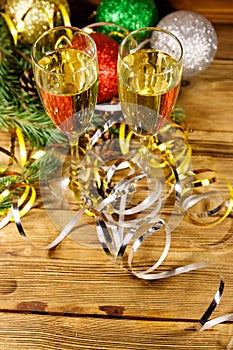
x=74, y=161
x=146, y=143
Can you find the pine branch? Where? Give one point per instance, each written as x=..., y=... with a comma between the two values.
x=17, y=109
x=39, y=169
x=34, y=123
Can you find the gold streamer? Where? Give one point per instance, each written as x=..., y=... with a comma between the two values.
x=22, y=147
x=124, y=139
x=65, y=15
x=210, y=179
x=27, y=198
x=11, y=27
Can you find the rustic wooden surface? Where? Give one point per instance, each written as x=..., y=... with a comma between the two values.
x=74, y=297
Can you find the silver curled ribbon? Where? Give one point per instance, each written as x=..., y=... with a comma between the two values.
x=163, y=171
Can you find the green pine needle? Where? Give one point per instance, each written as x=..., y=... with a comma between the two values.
x=17, y=108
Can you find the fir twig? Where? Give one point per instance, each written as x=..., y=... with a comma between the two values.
x=17, y=109
x=39, y=169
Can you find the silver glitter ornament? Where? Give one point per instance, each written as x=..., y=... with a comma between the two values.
x=197, y=36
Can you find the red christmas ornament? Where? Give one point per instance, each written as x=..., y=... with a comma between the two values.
x=107, y=51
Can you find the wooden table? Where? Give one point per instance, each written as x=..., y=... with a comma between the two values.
x=75, y=297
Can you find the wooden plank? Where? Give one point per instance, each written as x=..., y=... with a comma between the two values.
x=25, y=331
x=225, y=40
x=208, y=98
x=214, y=10
x=80, y=281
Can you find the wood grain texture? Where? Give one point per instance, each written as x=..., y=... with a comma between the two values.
x=75, y=297
x=207, y=100
x=68, y=333
x=214, y=10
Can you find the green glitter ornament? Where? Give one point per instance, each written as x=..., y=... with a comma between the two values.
x=130, y=14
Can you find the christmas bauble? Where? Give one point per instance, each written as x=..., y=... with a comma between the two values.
x=32, y=17
x=197, y=36
x=131, y=14
x=107, y=51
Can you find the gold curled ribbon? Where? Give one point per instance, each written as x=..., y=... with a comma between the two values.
x=124, y=138
x=210, y=178
x=65, y=15
x=14, y=182
x=22, y=147
x=11, y=27
x=25, y=201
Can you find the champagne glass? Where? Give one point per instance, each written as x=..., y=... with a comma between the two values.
x=149, y=77
x=65, y=66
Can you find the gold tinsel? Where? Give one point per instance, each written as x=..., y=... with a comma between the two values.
x=32, y=17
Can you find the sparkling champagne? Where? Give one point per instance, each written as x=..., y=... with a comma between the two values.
x=67, y=85
x=149, y=82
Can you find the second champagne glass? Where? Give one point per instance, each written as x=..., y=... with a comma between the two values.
x=65, y=65
x=149, y=76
